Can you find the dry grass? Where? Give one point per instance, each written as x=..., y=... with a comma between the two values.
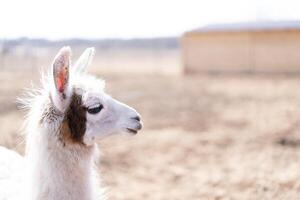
x=205, y=137
x=208, y=137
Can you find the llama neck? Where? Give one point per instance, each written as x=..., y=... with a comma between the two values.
x=60, y=171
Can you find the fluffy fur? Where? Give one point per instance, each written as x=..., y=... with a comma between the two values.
x=67, y=169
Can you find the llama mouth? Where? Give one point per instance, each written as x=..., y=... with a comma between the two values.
x=131, y=130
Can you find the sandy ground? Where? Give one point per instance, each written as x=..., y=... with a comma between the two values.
x=205, y=137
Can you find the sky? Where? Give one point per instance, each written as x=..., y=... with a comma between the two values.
x=58, y=19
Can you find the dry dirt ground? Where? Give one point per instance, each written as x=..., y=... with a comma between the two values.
x=205, y=137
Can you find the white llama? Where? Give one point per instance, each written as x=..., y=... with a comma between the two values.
x=66, y=117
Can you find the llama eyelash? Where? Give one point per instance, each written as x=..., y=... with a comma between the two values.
x=94, y=106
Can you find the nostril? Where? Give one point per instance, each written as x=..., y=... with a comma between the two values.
x=137, y=118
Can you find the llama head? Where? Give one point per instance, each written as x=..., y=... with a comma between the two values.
x=89, y=113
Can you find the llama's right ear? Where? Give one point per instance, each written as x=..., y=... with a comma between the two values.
x=61, y=89
x=84, y=60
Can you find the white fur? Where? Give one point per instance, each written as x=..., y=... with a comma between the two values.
x=58, y=171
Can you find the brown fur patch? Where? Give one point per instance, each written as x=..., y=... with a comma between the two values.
x=74, y=124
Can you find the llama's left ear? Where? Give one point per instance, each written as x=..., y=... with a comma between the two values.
x=61, y=89
x=84, y=60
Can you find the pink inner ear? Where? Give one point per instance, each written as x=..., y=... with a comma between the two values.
x=61, y=69
x=61, y=80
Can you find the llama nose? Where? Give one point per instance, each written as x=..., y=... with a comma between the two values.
x=137, y=118
x=139, y=124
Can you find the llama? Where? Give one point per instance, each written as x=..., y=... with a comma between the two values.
x=65, y=119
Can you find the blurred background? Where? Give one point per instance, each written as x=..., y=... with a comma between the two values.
x=216, y=82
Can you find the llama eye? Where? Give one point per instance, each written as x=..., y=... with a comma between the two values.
x=95, y=110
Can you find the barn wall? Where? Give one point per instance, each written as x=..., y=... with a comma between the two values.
x=277, y=51
x=270, y=51
x=216, y=51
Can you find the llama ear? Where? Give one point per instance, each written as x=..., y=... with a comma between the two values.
x=61, y=90
x=84, y=60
